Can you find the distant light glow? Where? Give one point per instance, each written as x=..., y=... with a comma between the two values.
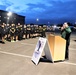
x=55, y=26
x=48, y=22
x=9, y=13
x=37, y=19
x=8, y=18
x=75, y=22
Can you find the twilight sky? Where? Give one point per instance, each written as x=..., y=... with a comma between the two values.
x=47, y=11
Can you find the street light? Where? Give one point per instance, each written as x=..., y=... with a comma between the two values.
x=48, y=22
x=37, y=20
x=8, y=14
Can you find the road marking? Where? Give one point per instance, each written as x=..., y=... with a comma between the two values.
x=27, y=44
x=74, y=64
x=15, y=54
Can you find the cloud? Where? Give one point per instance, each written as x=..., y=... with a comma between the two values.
x=21, y=4
x=5, y=2
x=43, y=9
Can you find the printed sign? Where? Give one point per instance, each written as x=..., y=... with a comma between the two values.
x=38, y=50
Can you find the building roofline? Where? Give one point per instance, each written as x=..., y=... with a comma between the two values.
x=13, y=13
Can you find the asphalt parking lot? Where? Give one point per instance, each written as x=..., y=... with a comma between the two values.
x=15, y=59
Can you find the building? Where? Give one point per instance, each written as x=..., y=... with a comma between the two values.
x=9, y=19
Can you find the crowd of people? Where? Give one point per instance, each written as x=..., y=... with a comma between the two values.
x=17, y=32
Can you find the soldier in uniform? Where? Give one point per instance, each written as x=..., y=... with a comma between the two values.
x=5, y=31
x=2, y=33
x=40, y=30
x=44, y=30
x=37, y=30
x=28, y=31
x=24, y=31
x=20, y=31
x=8, y=31
x=17, y=32
x=32, y=31
x=12, y=32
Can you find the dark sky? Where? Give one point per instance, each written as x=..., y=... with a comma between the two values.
x=46, y=11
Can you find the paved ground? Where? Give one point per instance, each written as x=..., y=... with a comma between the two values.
x=15, y=59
